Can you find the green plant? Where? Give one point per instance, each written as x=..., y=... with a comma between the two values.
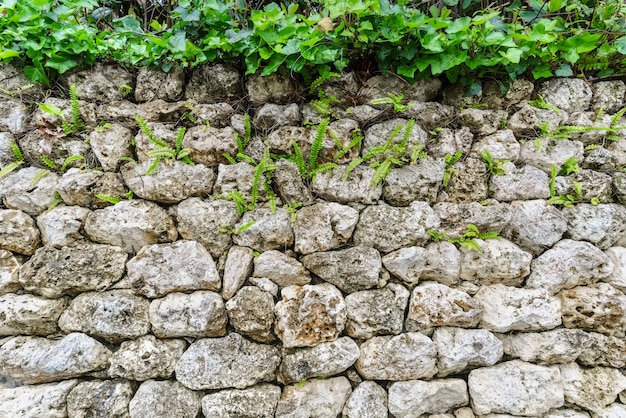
x=231, y=231
x=437, y=236
x=19, y=160
x=115, y=199
x=395, y=100
x=66, y=163
x=495, y=167
x=449, y=171
x=56, y=200
x=568, y=200
x=76, y=125
x=163, y=151
x=540, y=103
x=468, y=239
x=322, y=104
x=291, y=208
x=308, y=169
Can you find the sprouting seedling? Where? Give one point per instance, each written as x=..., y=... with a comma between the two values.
x=395, y=100
x=495, y=167
x=468, y=239
x=449, y=171
x=19, y=160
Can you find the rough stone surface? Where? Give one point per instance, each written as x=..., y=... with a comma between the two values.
x=32, y=360
x=228, y=362
x=152, y=83
x=424, y=90
x=114, y=315
x=516, y=388
x=568, y=94
x=198, y=314
x=443, y=263
x=63, y=225
x=110, y=144
x=608, y=95
x=255, y=402
x=100, y=399
x=274, y=88
x=603, y=350
x=353, y=269
x=368, y=400
x=454, y=217
x=406, y=356
x=459, y=349
x=419, y=181
x=525, y=183
x=593, y=185
x=238, y=266
x=160, y=269
x=251, y=313
x=549, y=347
x=238, y=177
x=211, y=83
x=146, y=358
x=512, y=309
x=357, y=187
x=315, y=399
x=270, y=116
x=546, y=152
x=413, y=398
x=309, y=315
x=81, y=188
x=406, y=263
x=29, y=315
x=270, y=230
x=468, y=182
x=501, y=145
x=433, y=304
x=323, y=227
x=29, y=190
x=591, y=389
x=617, y=278
x=500, y=261
x=450, y=141
x=483, y=122
x=377, y=135
x=102, y=82
x=281, y=269
x=602, y=225
x=18, y=232
x=208, y=145
x=289, y=184
x=36, y=401
x=166, y=399
x=376, y=312
x=9, y=273
x=53, y=272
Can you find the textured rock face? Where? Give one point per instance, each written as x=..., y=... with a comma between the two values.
x=368, y=400
x=146, y=358
x=459, y=349
x=251, y=313
x=598, y=307
x=376, y=312
x=33, y=360
x=281, y=269
x=109, y=145
x=516, y=388
x=269, y=230
x=601, y=225
x=28, y=191
x=568, y=94
x=29, y=315
x=549, y=347
x=379, y=134
x=603, y=350
x=591, y=389
x=63, y=225
x=238, y=177
x=357, y=187
x=9, y=272
x=524, y=183
x=421, y=181
x=454, y=217
x=500, y=261
x=406, y=263
x=37, y=401
x=414, y=398
x=100, y=399
x=164, y=399
x=237, y=268
x=469, y=184
x=208, y=145
x=255, y=402
x=228, y=362
x=319, y=398
x=18, y=232
x=323, y=227
x=81, y=188
x=288, y=181
x=617, y=278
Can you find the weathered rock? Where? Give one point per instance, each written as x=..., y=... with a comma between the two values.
x=63, y=225
x=525, y=183
x=424, y=90
x=281, y=141
x=9, y=272
x=202, y=221
x=549, y=347
x=602, y=225
x=545, y=152
x=353, y=269
x=231, y=361
x=267, y=230
x=36, y=401
x=460, y=349
x=430, y=115
x=511, y=309
x=265, y=285
x=160, y=269
x=419, y=181
x=270, y=116
x=18, y=232
x=290, y=185
x=455, y=217
x=208, y=145
x=213, y=83
x=50, y=122
x=569, y=264
x=535, y=225
x=251, y=313
x=309, y=315
x=131, y=224
x=357, y=187
x=433, y=304
x=53, y=272
x=599, y=159
x=449, y=141
x=153, y=83
x=239, y=177
x=608, y=95
x=29, y=315
x=603, y=350
x=215, y=114
x=618, y=152
x=101, y=82
x=146, y=358
x=406, y=356
x=314, y=399
x=617, y=278
x=516, y=388
x=414, y=398
x=165, y=132
x=368, y=400
x=81, y=188
x=568, y=94
x=274, y=88
x=593, y=185
x=616, y=410
x=255, y=402
x=115, y=315
x=483, y=122
x=388, y=228
x=377, y=135
x=111, y=143
x=591, y=389
x=323, y=227
x=281, y=269
x=599, y=124
x=500, y=261
x=406, y=263
x=468, y=182
x=166, y=399
x=565, y=413
x=597, y=307
x=501, y=145
x=100, y=399
x=443, y=263
x=31, y=360
x=238, y=266
x=376, y=312
x=14, y=115
x=30, y=190
x=198, y=314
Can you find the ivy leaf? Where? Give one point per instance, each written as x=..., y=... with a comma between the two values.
x=512, y=54
x=61, y=64
x=8, y=53
x=620, y=45
x=36, y=72
x=564, y=71
x=178, y=42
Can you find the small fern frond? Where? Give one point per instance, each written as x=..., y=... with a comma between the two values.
x=318, y=142
x=69, y=160
x=256, y=180
x=128, y=159
x=48, y=162
x=162, y=153
x=10, y=168
x=56, y=201
x=617, y=117
x=405, y=138
x=417, y=152
x=179, y=138
x=240, y=201
x=77, y=121
x=381, y=172
x=244, y=227
x=489, y=235
x=17, y=152
x=321, y=80
x=145, y=129
x=299, y=160
x=110, y=199
x=229, y=158
x=247, y=130
x=353, y=164
x=153, y=166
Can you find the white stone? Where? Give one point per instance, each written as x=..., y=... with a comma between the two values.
x=62, y=225
x=100, y=399
x=281, y=269
x=591, y=389
x=9, y=272
x=255, y=402
x=146, y=358
x=413, y=398
x=368, y=400
x=406, y=263
x=314, y=399
x=548, y=347
x=29, y=315
x=36, y=401
x=459, y=349
x=376, y=312
x=164, y=399
x=499, y=261
x=238, y=267
x=323, y=227
x=617, y=278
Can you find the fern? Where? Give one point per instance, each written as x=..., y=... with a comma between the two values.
x=145, y=129
x=328, y=166
x=417, y=152
x=271, y=197
x=110, y=199
x=552, y=185
x=40, y=174
x=256, y=180
x=382, y=170
x=350, y=167
x=56, y=201
x=17, y=152
x=48, y=162
x=240, y=201
x=128, y=159
x=10, y=168
x=244, y=227
x=229, y=158
x=152, y=167
x=299, y=159
x=324, y=77
x=242, y=143
x=179, y=139
x=69, y=160
x=449, y=171
x=77, y=121
x=316, y=147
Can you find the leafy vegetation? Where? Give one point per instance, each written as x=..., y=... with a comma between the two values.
x=164, y=151
x=468, y=239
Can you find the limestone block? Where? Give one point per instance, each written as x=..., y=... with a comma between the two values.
x=602, y=225
x=368, y=400
x=414, y=398
x=166, y=399
x=591, y=389
x=18, y=232
x=36, y=401
x=420, y=181
x=100, y=399
x=251, y=313
x=459, y=349
x=358, y=187
x=255, y=402
x=323, y=227
x=548, y=347
x=376, y=312
x=319, y=398
x=63, y=225
x=500, y=261
x=270, y=230
x=238, y=266
x=146, y=358
x=29, y=315
x=281, y=269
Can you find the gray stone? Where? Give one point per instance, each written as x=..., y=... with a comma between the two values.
x=146, y=358
x=115, y=315
x=270, y=116
x=63, y=225
x=131, y=224
x=618, y=152
x=309, y=315
x=30, y=189
x=617, y=278
x=615, y=410
x=388, y=228
x=81, y=188
x=353, y=269
x=414, y=398
x=603, y=350
x=9, y=272
x=468, y=182
x=50, y=122
x=208, y=145
x=18, y=232
x=214, y=114
x=342, y=131
x=265, y=285
x=271, y=230
x=591, y=389
x=213, y=83
x=549, y=347
x=323, y=360
x=323, y=226
x=599, y=159
x=443, y=263
x=14, y=115
x=569, y=264
x=202, y=220
x=460, y=349
x=53, y=272
x=424, y=90
x=544, y=152
x=454, y=217
x=599, y=125
x=568, y=94
x=274, y=88
x=619, y=185
x=358, y=187
x=153, y=83
x=36, y=401
x=433, y=304
x=535, y=226
x=101, y=82
x=406, y=356
x=289, y=184
x=419, y=181
x=525, y=183
x=314, y=399
x=502, y=145
x=406, y=264
x=231, y=361
x=238, y=266
x=516, y=388
x=429, y=115
x=32, y=360
x=100, y=399
x=602, y=225
x=255, y=402
x=598, y=307
x=608, y=95
x=165, y=132
x=239, y=177
x=109, y=144
x=198, y=314
x=593, y=185
x=449, y=141
x=483, y=122
x=511, y=309
x=377, y=135
x=566, y=413
x=500, y=261
x=29, y=315
x=368, y=400
x=376, y=312
x=164, y=399
x=6, y=153
x=281, y=141
x=281, y=269
x=160, y=269
x=251, y=313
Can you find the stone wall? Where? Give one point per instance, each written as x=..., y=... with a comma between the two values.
x=196, y=291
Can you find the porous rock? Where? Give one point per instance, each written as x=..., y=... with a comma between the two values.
x=111, y=143
x=501, y=145
x=153, y=83
x=591, y=389
x=608, y=95
x=603, y=350
x=32, y=360
x=238, y=266
x=616, y=410
x=289, y=184
x=100, y=399
x=270, y=116
x=231, y=361
x=602, y=225
x=36, y=401
x=459, y=349
x=568, y=94
x=368, y=400
x=414, y=398
x=500, y=261
x=165, y=132
x=523, y=183
x=376, y=312
x=424, y=90
x=208, y=145
x=63, y=225
x=593, y=185
x=281, y=269
x=323, y=226
x=29, y=315
x=165, y=399
x=274, y=88
x=238, y=177
x=216, y=114
x=358, y=187
x=197, y=314
x=617, y=278
x=30, y=190
x=9, y=272
x=213, y=83
x=377, y=135
x=483, y=122
x=81, y=188
x=251, y=313
x=549, y=151
x=443, y=263
x=419, y=181
x=255, y=402
x=468, y=182
x=548, y=347
x=454, y=217
x=319, y=398
x=267, y=230
x=450, y=141
x=18, y=232
x=101, y=82
x=14, y=115
x=406, y=263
